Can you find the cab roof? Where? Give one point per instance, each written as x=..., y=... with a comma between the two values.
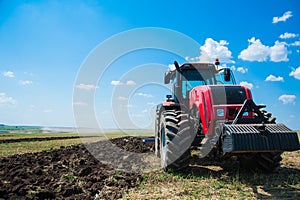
x=199, y=66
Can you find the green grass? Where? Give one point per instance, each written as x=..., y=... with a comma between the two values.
x=214, y=182
x=34, y=146
x=5, y=136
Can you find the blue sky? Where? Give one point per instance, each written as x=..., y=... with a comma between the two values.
x=44, y=43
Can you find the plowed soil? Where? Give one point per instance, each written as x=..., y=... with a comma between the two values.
x=67, y=173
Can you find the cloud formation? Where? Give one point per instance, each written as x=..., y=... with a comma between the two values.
x=274, y=78
x=79, y=103
x=129, y=82
x=213, y=49
x=121, y=98
x=296, y=73
x=86, y=86
x=287, y=99
x=116, y=83
x=6, y=100
x=9, y=74
x=296, y=43
x=283, y=18
x=25, y=82
x=288, y=35
x=242, y=70
x=246, y=84
x=257, y=51
x=144, y=95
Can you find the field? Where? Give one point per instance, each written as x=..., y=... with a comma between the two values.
x=47, y=166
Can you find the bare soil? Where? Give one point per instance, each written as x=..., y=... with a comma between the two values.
x=67, y=173
x=74, y=173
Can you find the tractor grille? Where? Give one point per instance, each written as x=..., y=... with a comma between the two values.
x=256, y=138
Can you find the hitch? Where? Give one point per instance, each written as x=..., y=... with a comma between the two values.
x=249, y=106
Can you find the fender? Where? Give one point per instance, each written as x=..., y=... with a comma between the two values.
x=200, y=98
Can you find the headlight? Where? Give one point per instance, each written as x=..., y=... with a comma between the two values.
x=220, y=112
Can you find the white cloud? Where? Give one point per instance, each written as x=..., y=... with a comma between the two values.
x=128, y=106
x=283, y=18
x=144, y=95
x=9, y=74
x=296, y=43
x=246, y=84
x=233, y=68
x=172, y=66
x=287, y=35
x=144, y=111
x=287, y=99
x=122, y=98
x=296, y=73
x=79, y=103
x=86, y=86
x=279, y=52
x=274, y=78
x=150, y=103
x=116, y=83
x=26, y=82
x=256, y=51
x=213, y=49
x=130, y=82
x=242, y=70
x=6, y=100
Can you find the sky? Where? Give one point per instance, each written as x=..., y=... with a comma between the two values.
x=44, y=46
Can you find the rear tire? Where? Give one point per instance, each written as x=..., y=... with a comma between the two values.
x=175, y=140
x=267, y=161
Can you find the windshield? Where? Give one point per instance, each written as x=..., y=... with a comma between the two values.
x=192, y=78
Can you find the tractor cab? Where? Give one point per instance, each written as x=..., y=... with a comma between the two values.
x=190, y=75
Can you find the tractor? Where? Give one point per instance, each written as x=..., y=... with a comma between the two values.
x=208, y=113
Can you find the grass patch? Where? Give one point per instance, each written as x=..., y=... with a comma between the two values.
x=7, y=136
x=214, y=182
x=35, y=146
x=21, y=147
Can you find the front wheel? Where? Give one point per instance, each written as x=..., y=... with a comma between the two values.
x=175, y=140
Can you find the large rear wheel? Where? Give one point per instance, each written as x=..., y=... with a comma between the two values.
x=175, y=140
x=266, y=161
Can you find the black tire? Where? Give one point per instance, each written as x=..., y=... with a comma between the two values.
x=157, y=132
x=175, y=140
x=266, y=161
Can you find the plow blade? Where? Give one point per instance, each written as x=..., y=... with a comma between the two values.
x=242, y=138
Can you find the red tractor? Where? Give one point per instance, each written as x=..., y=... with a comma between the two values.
x=208, y=112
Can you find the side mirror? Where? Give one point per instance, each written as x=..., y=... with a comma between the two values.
x=227, y=74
